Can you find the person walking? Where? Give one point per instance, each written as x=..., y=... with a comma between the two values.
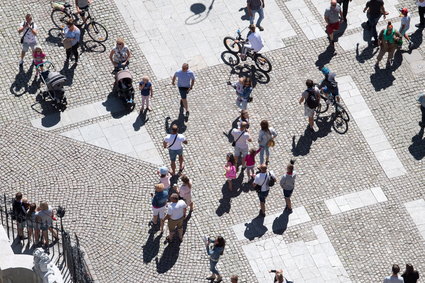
x=81, y=7
x=243, y=89
x=421, y=101
x=19, y=214
x=410, y=275
x=244, y=117
x=231, y=170
x=288, y=183
x=29, y=36
x=332, y=18
x=344, y=4
x=174, y=143
x=255, y=6
x=186, y=80
x=185, y=191
x=215, y=252
x=164, y=177
x=388, y=42
x=234, y=279
x=241, y=138
x=146, y=90
x=394, y=278
x=71, y=41
x=266, y=140
x=405, y=25
x=175, y=215
x=250, y=163
x=421, y=10
x=262, y=185
x=159, y=206
x=375, y=9
x=311, y=99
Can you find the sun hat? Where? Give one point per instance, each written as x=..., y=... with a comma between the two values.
x=163, y=170
x=403, y=11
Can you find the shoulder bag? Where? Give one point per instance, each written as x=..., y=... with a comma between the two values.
x=258, y=187
x=25, y=33
x=234, y=142
x=173, y=141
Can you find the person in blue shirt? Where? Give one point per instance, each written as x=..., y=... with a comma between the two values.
x=215, y=252
x=145, y=87
x=329, y=84
x=159, y=205
x=72, y=34
x=186, y=80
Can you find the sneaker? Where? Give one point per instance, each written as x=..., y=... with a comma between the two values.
x=260, y=28
x=410, y=44
x=21, y=62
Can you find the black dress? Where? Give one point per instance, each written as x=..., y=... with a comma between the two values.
x=410, y=277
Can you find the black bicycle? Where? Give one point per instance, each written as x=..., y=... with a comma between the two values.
x=62, y=12
x=340, y=117
x=234, y=47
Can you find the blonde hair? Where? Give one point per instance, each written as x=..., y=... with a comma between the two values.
x=120, y=40
x=145, y=78
x=159, y=187
x=43, y=205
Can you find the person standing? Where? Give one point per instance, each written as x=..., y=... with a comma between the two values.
x=262, y=185
x=410, y=275
x=174, y=143
x=159, y=205
x=146, y=90
x=311, y=99
x=215, y=252
x=120, y=55
x=421, y=101
x=394, y=278
x=344, y=4
x=288, y=183
x=71, y=35
x=256, y=6
x=186, y=80
x=29, y=37
x=332, y=18
x=375, y=9
x=19, y=214
x=185, y=191
x=388, y=41
x=421, y=10
x=82, y=6
x=175, y=215
x=241, y=138
x=266, y=140
x=405, y=25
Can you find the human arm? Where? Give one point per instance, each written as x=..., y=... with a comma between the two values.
x=76, y=6
x=184, y=212
x=248, y=7
x=383, y=12
x=168, y=216
x=111, y=55
x=301, y=99
x=141, y=85
x=151, y=90
x=128, y=56
x=173, y=81
x=192, y=82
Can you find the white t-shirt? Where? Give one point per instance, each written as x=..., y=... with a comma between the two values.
x=176, y=209
x=256, y=42
x=29, y=37
x=260, y=179
x=394, y=279
x=177, y=144
x=241, y=142
x=405, y=21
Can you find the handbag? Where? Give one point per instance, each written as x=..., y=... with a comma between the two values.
x=22, y=38
x=258, y=187
x=67, y=43
x=234, y=142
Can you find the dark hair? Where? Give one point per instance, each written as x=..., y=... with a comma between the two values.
x=290, y=168
x=220, y=243
x=184, y=179
x=174, y=129
x=396, y=268
x=292, y=161
x=231, y=158
x=33, y=206
x=69, y=22
x=18, y=196
x=409, y=269
x=265, y=126
x=309, y=83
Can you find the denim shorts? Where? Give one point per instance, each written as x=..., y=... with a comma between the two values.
x=263, y=195
x=287, y=193
x=174, y=152
x=183, y=92
x=44, y=227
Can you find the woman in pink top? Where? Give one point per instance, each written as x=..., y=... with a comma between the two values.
x=164, y=177
x=185, y=191
x=38, y=58
x=230, y=170
x=250, y=163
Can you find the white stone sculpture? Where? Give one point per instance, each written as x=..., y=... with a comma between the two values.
x=45, y=268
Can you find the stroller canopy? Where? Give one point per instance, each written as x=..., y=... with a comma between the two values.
x=55, y=81
x=124, y=74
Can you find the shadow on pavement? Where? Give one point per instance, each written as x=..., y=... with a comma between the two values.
x=227, y=195
x=382, y=78
x=199, y=14
x=151, y=247
x=281, y=223
x=180, y=122
x=366, y=53
x=255, y=229
x=115, y=106
x=20, y=85
x=168, y=258
x=325, y=57
x=140, y=120
x=417, y=148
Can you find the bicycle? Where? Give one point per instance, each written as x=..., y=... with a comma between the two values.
x=62, y=12
x=234, y=47
x=340, y=117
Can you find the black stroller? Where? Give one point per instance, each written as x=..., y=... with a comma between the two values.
x=54, y=82
x=124, y=88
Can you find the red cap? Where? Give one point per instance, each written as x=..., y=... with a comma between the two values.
x=404, y=11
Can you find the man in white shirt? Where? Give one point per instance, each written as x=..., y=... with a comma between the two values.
x=262, y=181
x=394, y=278
x=29, y=37
x=254, y=42
x=174, y=143
x=176, y=214
x=241, y=138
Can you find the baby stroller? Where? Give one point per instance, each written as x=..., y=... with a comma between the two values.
x=124, y=88
x=54, y=82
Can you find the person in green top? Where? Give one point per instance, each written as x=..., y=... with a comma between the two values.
x=388, y=41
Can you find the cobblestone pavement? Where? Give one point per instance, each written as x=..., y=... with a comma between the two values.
x=107, y=194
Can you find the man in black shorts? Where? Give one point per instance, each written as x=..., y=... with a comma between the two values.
x=82, y=6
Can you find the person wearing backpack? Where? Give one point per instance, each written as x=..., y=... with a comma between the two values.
x=174, y=143
x=29, y=37
x=262, y=182
x=311, y=99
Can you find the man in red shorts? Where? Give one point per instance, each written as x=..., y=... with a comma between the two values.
x=332, y=18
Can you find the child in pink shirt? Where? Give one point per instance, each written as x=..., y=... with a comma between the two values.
x=38, y=58
x=230, y=170
x=250, y=163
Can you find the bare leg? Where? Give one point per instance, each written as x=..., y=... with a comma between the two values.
x=181, y=161
x=288, y=203
x=155, y=219
x=263, y=207
x=173, y=167
x=161, y=226
x=22, y=55
x=311, y=121
x=185, y=105
x=191, y=206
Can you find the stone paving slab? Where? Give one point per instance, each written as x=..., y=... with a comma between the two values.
x=370, y=128
x=416, y=210
x=305, y=19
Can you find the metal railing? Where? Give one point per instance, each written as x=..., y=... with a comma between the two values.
x=64, y=248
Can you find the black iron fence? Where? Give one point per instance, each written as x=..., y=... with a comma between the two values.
x=63, y=247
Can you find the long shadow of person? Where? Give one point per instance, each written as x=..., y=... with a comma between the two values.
x=325, y=57
x=366, y=54
x=416, y=38
x=229, y=134
x=281, y=223
x=114, y=105
x=151, y=247
x=68, y=72
x=255, y=229
x=244, y=17
x=140, y=120
x=382, y=78
x=417, y=148
x=398, y=59
x=180, y=122
x=168, y=258
x=340, y=32
x=303, y=145
x=227, y=195
x=22, y=78
x=324, y=124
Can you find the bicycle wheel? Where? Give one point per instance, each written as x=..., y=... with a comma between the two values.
x=230, y=58
x=262, y=63
x=322, y=107
x=340, y=125
x=97, y=32
x=59, y=18
x=261, y=77
x=231, y=45
x=341, y=111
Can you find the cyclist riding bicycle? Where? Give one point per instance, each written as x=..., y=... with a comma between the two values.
x=82, y=6
x=253, y=42
x=329, y=85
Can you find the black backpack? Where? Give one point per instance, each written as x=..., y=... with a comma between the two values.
x=312, y=101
